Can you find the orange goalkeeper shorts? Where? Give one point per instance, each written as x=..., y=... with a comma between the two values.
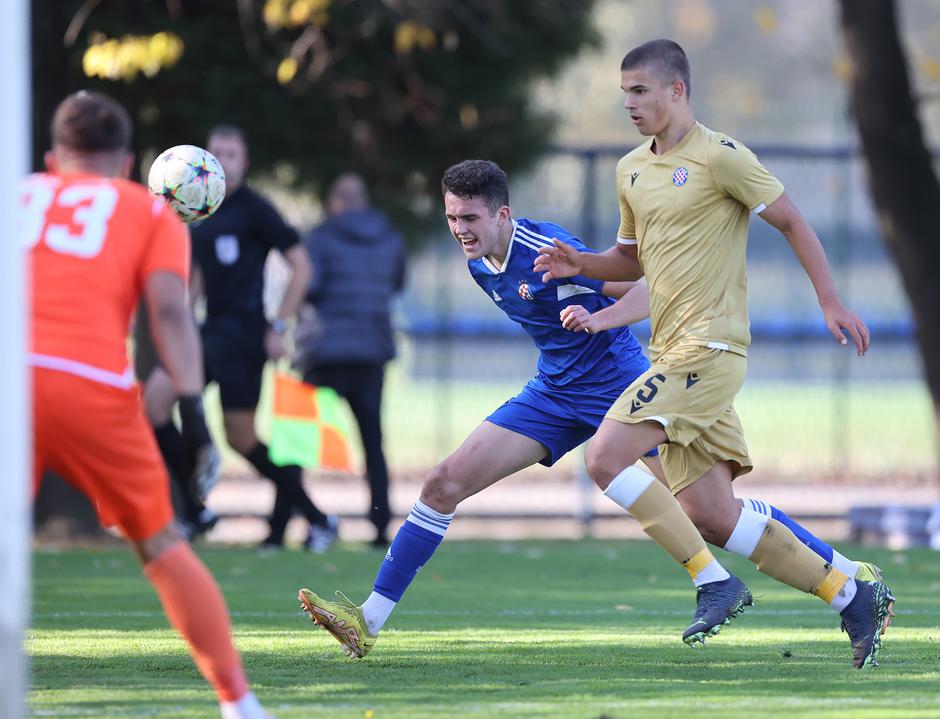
x=97, y=438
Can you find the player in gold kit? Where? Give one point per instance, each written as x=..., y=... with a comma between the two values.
x=685, y=200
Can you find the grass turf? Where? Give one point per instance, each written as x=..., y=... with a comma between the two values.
x=531, y=629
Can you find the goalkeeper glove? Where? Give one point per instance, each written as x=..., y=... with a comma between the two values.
x=201, y=461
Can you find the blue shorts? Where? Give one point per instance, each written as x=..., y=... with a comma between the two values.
x=562, y=418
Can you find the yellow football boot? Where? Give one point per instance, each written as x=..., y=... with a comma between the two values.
x=868, y=572
x=342, y=619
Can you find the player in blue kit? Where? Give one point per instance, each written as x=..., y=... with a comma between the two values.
x=579, y=376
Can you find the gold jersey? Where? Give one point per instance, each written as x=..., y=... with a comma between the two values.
x=687, y=211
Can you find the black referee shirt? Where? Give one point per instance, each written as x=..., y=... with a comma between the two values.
x=231, y=247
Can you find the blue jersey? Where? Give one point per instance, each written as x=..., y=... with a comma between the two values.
x=518, y=290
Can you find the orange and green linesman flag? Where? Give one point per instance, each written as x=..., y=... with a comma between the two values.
x=307, y=427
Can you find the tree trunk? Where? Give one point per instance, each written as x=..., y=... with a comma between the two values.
x=904, y=187
x=50, y=82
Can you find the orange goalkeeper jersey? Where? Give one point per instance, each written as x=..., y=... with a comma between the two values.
x=93, y=242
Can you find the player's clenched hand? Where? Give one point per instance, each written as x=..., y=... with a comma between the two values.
x=559, y=261
x=577, y=319
x=274, y=345
x=841, y=321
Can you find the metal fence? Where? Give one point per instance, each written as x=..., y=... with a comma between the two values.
x=811, y=408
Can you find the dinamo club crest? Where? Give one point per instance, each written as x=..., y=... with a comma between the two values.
x=524, y=291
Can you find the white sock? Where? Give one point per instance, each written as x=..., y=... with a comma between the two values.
x=248, y=707
x=747, y=533
x=376, y=610
x=627, y=486
x=713, y=572
x=844, y=596
x=844, y=564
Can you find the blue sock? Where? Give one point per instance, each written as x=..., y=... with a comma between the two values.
x=412, y=547
x=802, y=533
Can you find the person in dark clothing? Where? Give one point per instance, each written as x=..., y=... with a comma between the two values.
x=230, y=249
x=358, y=262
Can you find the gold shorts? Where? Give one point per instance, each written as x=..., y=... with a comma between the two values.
x=689, y=391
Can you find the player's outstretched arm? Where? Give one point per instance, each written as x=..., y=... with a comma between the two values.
x=180, y=351
x=785, y=216
x=633, y=306
x=617, y=264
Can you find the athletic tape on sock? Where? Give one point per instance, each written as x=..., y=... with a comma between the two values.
x=627, y=486
x=747, y=532
x=831, y=585
x=660, y=516
x=697, y=563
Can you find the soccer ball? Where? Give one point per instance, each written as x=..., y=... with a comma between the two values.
x=190, y=179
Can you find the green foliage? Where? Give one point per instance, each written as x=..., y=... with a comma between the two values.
x=556, y=630
x=396, y=91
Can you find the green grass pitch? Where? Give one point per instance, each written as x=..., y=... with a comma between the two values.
x=531, y=629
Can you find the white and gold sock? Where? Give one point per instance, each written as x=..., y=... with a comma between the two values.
x=663, y=520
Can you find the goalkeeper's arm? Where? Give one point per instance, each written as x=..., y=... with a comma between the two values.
x=174, y=333
x=177, y=341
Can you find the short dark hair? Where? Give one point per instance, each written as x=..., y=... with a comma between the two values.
x=91, y=122
x=665, y=57
x=228, y=131
x=477, y=178
x=349, y=189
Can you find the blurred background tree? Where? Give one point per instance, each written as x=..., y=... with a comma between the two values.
x=901, y=176
x=396, y=90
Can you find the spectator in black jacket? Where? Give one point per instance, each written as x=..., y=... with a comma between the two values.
x=358, y=262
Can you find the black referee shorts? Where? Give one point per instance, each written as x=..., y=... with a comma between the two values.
x=234, y=356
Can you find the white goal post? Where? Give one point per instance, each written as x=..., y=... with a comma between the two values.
x=14, y=421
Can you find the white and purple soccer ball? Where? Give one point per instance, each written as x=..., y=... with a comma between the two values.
x=190, y=179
